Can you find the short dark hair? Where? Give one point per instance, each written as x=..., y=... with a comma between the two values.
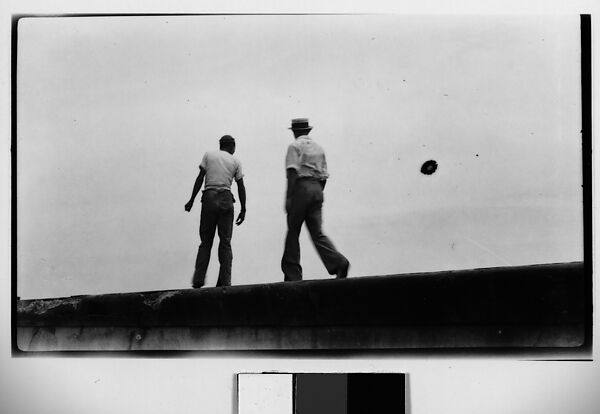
x=227, y=139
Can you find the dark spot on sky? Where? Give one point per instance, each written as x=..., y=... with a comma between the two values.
x=477, y=155
x=429, y=167
x=445, y=94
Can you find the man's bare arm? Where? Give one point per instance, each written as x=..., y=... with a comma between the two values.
x=196, y=190
x=242, y=196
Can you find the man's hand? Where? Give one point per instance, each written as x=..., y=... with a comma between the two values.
x=197, y=186
x=241, y=217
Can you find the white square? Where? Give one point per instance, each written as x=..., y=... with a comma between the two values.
x=265, y=394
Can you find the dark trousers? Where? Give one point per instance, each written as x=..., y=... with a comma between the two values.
x=217, y=214
x=306, y=206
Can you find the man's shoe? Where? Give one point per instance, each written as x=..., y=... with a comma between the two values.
x=342, y=272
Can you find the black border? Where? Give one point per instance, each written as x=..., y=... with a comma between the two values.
x=13, y=182
x=586, y=152
x=586, y=137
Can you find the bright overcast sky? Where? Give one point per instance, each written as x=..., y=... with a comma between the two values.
x=115, y=113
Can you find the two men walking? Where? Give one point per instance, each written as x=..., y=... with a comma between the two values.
x=306, y=170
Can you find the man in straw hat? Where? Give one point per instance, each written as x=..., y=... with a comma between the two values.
x=306, y=177
x=219, y=168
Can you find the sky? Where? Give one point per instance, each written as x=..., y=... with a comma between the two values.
x=115, y=113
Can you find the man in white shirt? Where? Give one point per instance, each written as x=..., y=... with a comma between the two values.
x=218, y=169
x=306, y=177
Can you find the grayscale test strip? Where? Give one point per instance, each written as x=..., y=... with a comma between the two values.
x=322, y=393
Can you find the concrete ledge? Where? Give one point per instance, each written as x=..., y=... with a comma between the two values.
x=525, y=306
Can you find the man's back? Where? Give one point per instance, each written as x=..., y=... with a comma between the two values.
x=221, y=169
x=307, y=157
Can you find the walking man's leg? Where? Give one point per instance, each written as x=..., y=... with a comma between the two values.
x=335, y=262
x=290, y=262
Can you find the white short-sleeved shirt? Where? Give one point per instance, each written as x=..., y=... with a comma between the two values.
x=221, y=168
x=307, y=158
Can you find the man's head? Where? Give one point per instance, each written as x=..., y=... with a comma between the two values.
x=227, y=143
x=300, y=127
